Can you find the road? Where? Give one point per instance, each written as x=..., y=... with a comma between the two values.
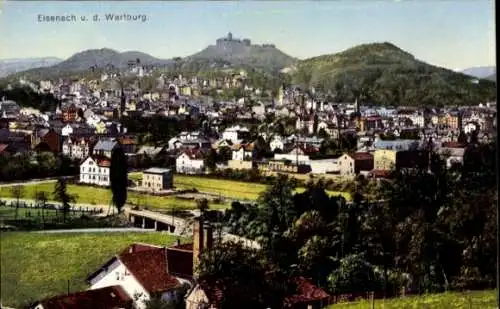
x=99, y=230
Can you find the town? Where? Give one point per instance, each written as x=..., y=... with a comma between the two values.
x=241, y=177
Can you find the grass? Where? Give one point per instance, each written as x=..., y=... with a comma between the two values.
x=36, y=266
x=33, y=214
x=228, y=188
x=102, y=196
x=449, y=300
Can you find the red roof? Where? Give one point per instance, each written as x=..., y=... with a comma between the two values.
x=380, y=173
x=102, y=161
x=111, y=297
x=360, y=155
x=194, y=154
x=180, y=263
x=150, y=269
x=138, y=247
x=306, y=292
x=453, y=145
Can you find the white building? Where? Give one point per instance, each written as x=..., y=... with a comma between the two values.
x=95, y=170
x=235, y=134
x=76, y=148
x=190, y=162
x=243, y=152
x=141, y=273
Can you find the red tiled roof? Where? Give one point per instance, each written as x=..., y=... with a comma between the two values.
x=453, y=145
x=180, y=263
x=193, y=154
x=306, y=292
x=380, y=173
x=138, y=247
x=102, y=161
x=111, y=297
x=150, y=269
x=360, y=155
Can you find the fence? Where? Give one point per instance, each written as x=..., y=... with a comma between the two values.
x=28, y=210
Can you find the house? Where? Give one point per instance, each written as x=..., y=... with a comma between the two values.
x=110, y=297
x=243, y=152
x=157, y=179
x=190, y=161
x=69, y=113
x=151, y=152
x=95, y=170
x=307, y=295
x=46, y=140
x=453, y=152
x=77, y=148
x=352, y=164
x=236, y=133
x=105, y=147
x=143, y=272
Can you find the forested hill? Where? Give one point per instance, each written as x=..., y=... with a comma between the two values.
x=382, y=73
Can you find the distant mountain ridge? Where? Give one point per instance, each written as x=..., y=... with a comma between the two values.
x=480, y=72
x=11, y=66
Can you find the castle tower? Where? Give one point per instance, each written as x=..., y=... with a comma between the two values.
x=229, y=36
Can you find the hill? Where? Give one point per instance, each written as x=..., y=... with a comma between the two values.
x=11, y=66
x=100, y=58
x=480, y=72
x=382, y=73
x=236, y=52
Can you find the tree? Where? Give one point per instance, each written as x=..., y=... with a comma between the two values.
x=17, y=192
x=202, y=206
x=211, y=160
x=119, y=178
x=41, y=199
x=61, y=195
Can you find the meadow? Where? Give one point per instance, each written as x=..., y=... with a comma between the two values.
x=226, y=188
x=449, y=300
x=37, y=265
x=102, y=196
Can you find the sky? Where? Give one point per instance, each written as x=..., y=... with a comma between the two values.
x=455, y=34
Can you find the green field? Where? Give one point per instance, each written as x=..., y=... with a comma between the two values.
x=102, y=196
x=450, y=300
x=35, y=266
x=227, y=188
x=32, y=214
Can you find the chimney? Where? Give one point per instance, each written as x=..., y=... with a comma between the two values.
x=208, y=240
x=197, y=242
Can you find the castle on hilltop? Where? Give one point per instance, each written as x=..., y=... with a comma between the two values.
x=231, y=40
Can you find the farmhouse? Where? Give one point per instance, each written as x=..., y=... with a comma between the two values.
x=157, y=179
x=95, y=170
x=145, y=271
x=110, y=297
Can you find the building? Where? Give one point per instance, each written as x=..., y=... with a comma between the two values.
x=110, y=297
x=77, y=148
x=46, y=140
x=95, y=170
x=352, y=164
x=236, y=133
x=105, y=147
x=144, y=271
x=243, y=152
x=190, y=161
x=157, y=179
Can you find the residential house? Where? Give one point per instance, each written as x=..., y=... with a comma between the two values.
x=143, y=271
x=151, y=152
x=69, y=113
x=384, y=159
x=236, y=133
x=453, y=152
x=77, y=148
x=307, y=295
x=190, y=161
x=282, y=166
x=46, y=140
x=96, y=170
x=157, y=179
x=104, y=147
x=354, y=163
x=109, y=297
x=128, y=144
x=278, y=143
x=243, y=152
